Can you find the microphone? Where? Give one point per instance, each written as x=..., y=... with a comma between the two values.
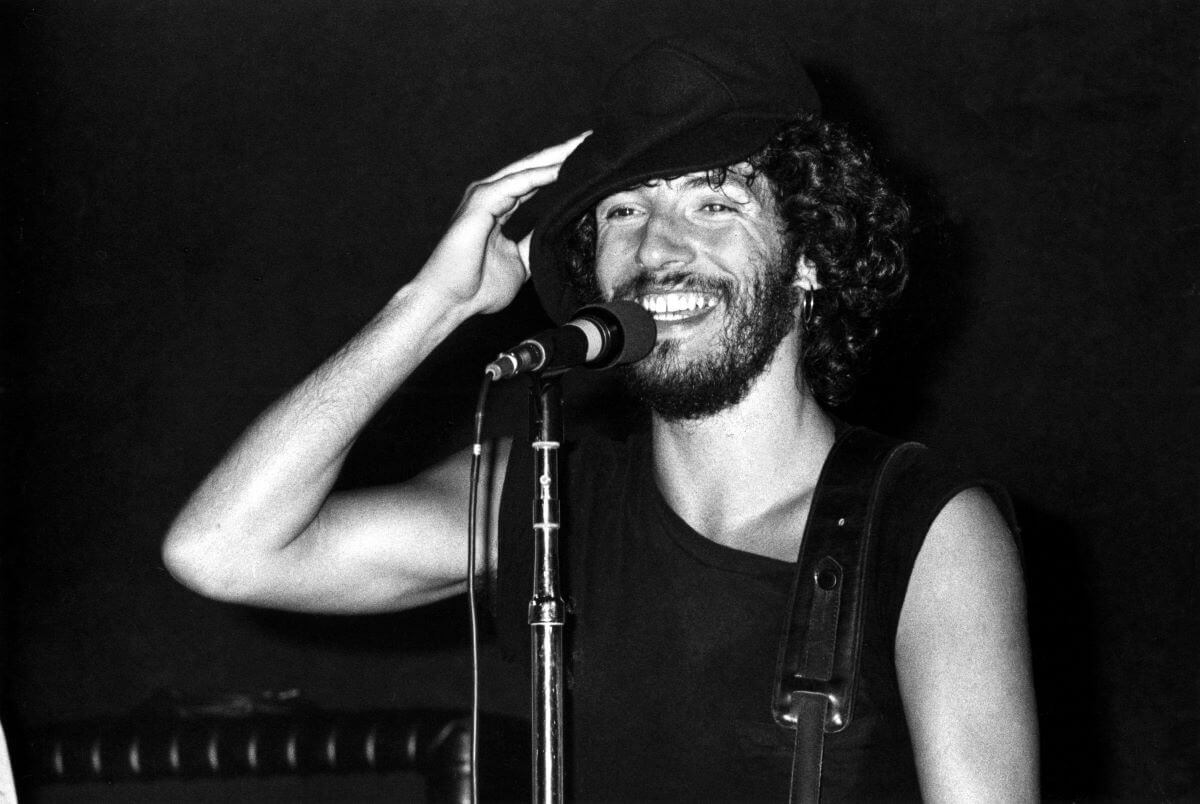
x=598, y=336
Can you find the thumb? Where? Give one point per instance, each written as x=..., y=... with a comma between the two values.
x=523, y=251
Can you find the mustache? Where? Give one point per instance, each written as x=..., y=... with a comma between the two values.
x=646, y=282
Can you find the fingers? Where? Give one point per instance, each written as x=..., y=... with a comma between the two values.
x=500, y=197
x=554, y=155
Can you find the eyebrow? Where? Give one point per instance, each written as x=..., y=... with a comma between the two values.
x=731, y=179
x=701, y=181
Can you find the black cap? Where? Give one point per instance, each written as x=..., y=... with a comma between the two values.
x=680, y=105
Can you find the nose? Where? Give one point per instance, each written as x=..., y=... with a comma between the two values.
x=664, y=243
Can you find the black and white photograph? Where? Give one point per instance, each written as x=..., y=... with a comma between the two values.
x=564, y=400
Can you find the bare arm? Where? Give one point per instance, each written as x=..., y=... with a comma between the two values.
x=962, y=656
x=262, y=528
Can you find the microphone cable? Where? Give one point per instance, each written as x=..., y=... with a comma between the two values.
x=472, y=517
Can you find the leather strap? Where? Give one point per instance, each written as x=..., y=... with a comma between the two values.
x=817, y=667
x=808, y=753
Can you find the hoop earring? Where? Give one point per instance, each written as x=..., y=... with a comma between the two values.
x=806, y=307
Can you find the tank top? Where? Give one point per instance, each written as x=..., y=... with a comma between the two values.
x=672, y=639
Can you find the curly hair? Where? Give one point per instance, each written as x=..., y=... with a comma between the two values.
x=839, y=214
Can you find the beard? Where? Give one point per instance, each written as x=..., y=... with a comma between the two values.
x=757, y=318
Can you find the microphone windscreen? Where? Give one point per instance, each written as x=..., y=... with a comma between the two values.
x=636, y=327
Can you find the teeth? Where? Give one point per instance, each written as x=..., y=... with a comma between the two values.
x=676, y=305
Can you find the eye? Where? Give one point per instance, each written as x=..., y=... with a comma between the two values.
x=619, y=211
x=722, y=207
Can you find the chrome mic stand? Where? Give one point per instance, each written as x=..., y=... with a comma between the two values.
x=547, y=609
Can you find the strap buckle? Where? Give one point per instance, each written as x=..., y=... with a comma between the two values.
x=786, y=705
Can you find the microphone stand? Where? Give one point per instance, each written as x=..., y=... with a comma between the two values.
x=546, y=609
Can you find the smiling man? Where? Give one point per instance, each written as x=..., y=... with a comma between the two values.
x=765, y=244
x=717, y=329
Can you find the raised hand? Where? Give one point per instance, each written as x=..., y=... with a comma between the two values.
x=474, y=264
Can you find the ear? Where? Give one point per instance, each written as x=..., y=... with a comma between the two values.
x=806, y=274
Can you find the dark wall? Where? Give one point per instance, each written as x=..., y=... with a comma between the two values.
x=202, y=200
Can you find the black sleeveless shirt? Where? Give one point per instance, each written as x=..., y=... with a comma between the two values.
x=672, y=638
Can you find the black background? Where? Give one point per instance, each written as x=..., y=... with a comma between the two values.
x=204, y=199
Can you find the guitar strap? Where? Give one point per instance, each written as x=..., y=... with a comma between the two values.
x=817, y=669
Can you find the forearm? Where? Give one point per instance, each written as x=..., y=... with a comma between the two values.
x=271, y=484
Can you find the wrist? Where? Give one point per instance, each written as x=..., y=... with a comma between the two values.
x=440, y=310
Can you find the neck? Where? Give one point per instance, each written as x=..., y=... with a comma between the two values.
x=727, y=474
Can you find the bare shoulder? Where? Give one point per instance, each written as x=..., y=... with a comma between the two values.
x=966, y=588
x=962, y=657
x=970, y=552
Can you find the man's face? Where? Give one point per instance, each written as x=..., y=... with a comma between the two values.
x=709, y=264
